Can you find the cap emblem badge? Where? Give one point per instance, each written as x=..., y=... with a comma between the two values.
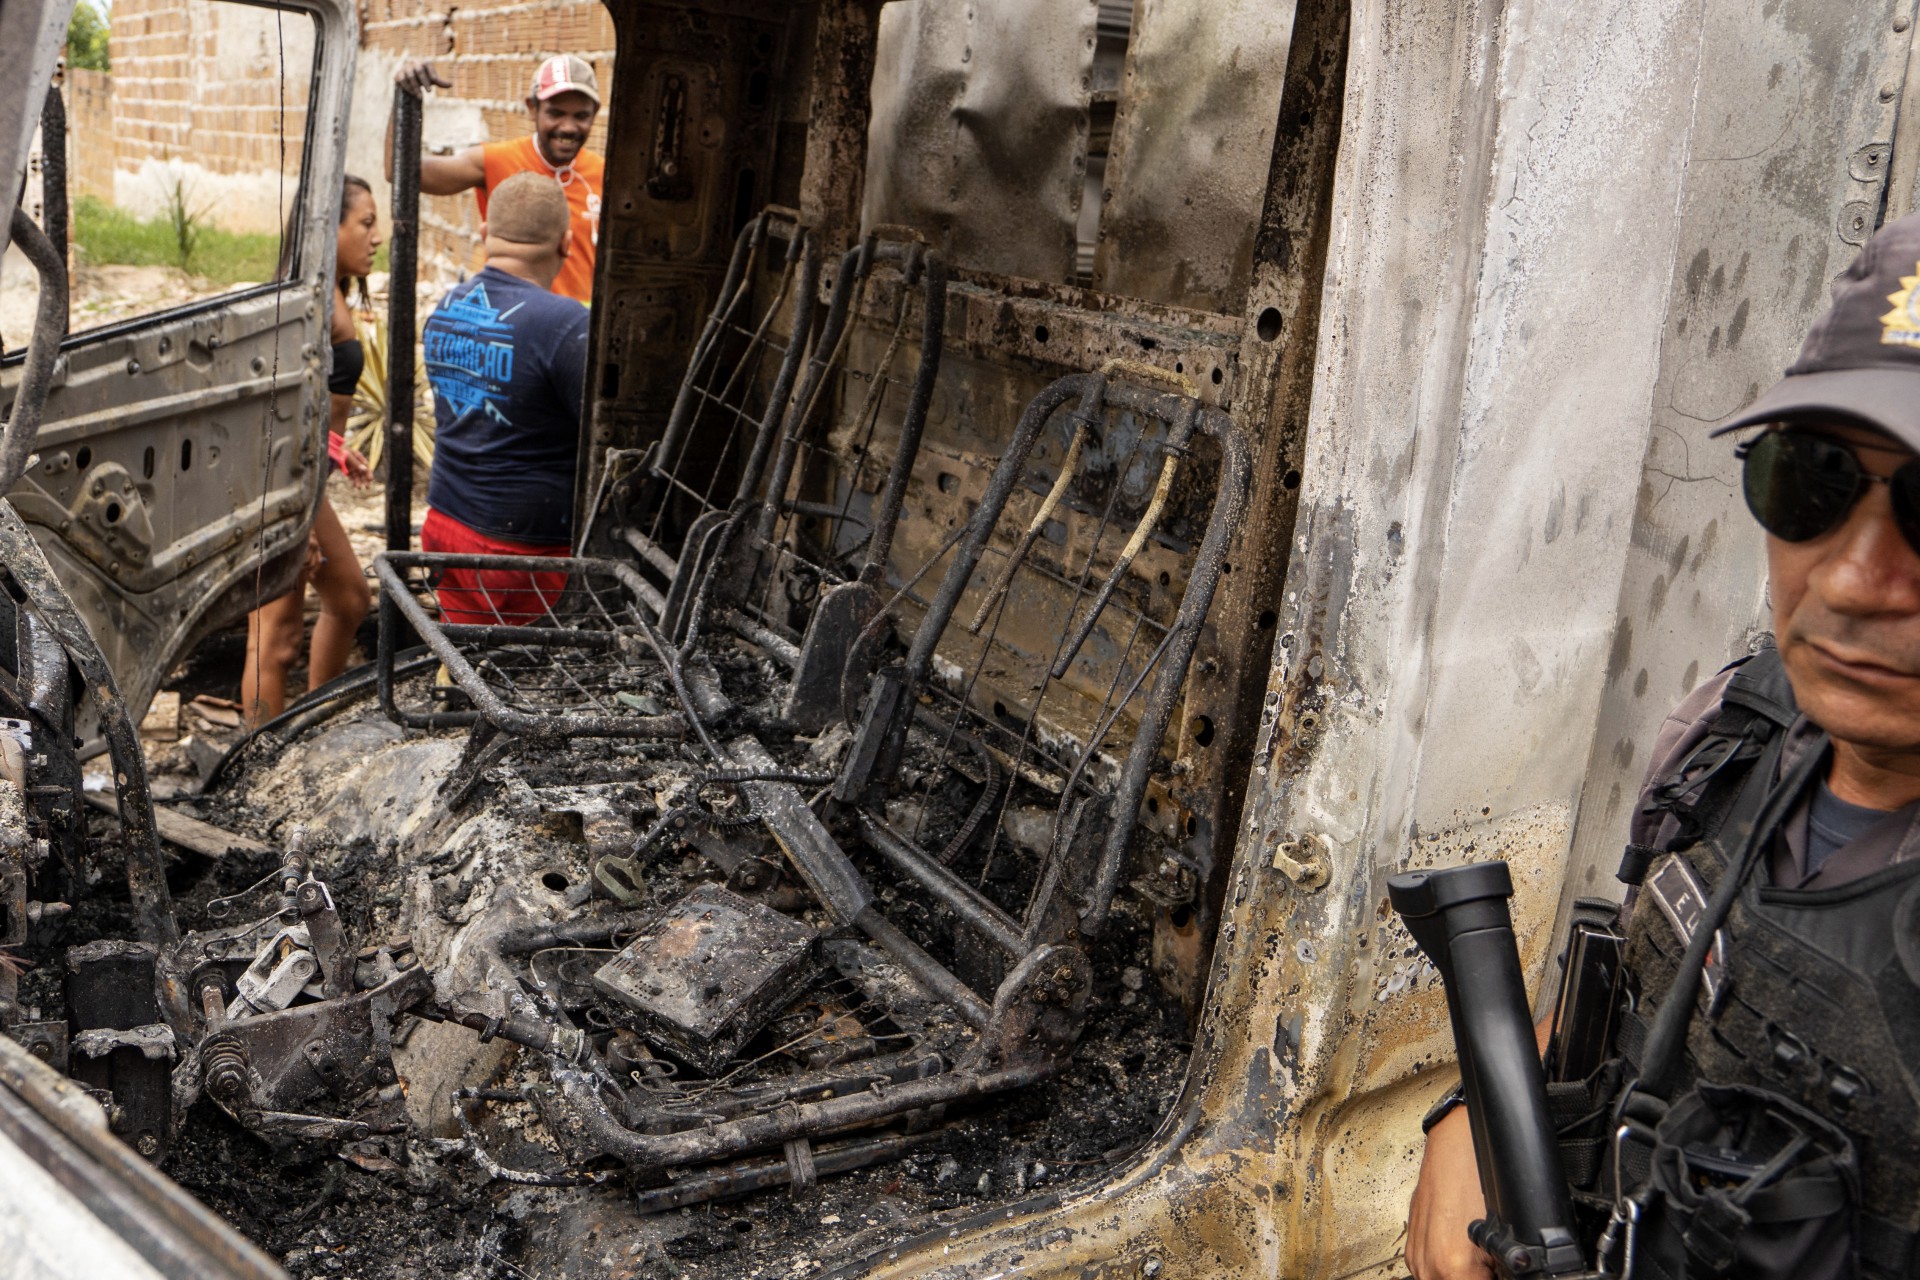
x=1901, y=326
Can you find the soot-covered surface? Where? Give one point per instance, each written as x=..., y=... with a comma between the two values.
x=367, y=797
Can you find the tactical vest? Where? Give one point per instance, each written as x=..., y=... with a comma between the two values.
x=1806, y=1022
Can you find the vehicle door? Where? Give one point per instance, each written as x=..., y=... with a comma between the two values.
x=182, y=453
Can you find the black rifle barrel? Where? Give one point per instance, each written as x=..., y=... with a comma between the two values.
x=1459, y=917
x=403, y=259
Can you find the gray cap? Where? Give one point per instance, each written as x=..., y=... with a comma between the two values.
x=1861, y=361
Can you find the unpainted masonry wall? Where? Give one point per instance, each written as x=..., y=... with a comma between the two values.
x=489, y=50
x=203, y=93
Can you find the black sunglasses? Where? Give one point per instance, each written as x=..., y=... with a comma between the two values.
x=1801, y=484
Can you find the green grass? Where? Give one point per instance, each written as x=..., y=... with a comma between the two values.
x=104, y=234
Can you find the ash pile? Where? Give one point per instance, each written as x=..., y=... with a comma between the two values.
x=792, y=829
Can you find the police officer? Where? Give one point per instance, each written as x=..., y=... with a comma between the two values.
x=1769, y=1124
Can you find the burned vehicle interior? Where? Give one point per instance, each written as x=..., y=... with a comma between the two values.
x=859, y=795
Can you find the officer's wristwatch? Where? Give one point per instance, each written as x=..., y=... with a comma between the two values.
x=1441, y=1109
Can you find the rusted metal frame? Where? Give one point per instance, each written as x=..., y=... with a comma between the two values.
x=545, y=634
x=866, y=419
x=153, y=917
x=839, y=111
x=580, y=1093
x=1074, y=776
x=696, y=553
x=734, y=287
x=821, y=863
x=55, y=209
x=921, y=271
x=854, y=666
x=671, y=662
x=705, y=1103
x=643, y=591
x=1175, y=651
x=489, y=635
x=829, y=353
x=1070, y=464
x=893, y=496
x=391, y=567
x=521, y=1027
x=911, y=256
x=1181, y=411
x=825, y=862
x=1087, y=389
x=669, y=454
x=1079, y=589
x=1000, y=318
x=403, y=259
x=1176, y=446
x=558, y=624
x=798, y=256
x=705, y=550
x=256, y=1067
x=934, y=978
x=649, y=550
x=850, y=282
x=64, y=1130
x=1273, y=397
x=852, y=274
x=1084, y=422
x=43, y=349
x=968, y=904
x=1223, y=524
x=750, y=1176
x=802, y=322
x=777, y=646
x=840, y=887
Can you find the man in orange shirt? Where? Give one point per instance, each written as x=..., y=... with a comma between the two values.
x=563, y=102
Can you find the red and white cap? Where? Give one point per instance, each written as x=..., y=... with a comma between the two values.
x=565, y=73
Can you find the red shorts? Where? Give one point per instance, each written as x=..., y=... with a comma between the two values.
x=489, y=597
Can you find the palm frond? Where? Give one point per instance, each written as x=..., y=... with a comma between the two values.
x=366, y=425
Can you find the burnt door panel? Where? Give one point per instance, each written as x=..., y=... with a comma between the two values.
x=182, y=454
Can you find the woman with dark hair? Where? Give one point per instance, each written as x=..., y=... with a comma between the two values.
x=274, y=629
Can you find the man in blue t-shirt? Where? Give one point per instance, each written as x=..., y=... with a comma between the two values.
x=507, y=359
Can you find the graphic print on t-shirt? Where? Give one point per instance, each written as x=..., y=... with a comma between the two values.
x=470, y=354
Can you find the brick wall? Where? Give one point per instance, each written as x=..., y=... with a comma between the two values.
x=489, y=50
x=89, y=132
x=199, y=100
x=193, y=97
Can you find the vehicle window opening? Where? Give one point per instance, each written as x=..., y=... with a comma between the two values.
x=181, y=162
